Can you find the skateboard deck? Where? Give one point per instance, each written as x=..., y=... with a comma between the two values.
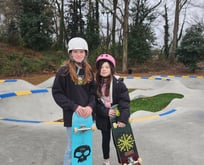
x=82, y=140
x=125, y=142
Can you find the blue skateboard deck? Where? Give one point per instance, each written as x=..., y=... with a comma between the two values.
x=82, y=130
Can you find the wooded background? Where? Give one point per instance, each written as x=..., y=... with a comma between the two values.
x=126, y=29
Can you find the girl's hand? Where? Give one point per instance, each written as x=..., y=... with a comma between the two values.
x=121, y=124
x=111, y=113
x=84, y=111
x=79, y=111
x=88, y=111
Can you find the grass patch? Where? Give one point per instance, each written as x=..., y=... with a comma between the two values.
x=154, y=103
x=131, y=90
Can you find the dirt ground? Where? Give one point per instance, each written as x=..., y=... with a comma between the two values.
x=148, y=69
x=37, y=78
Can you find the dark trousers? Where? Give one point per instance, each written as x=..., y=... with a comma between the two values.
x=106, y=137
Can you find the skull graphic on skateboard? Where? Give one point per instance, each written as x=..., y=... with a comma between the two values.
x=82, y=130
x=124, y=141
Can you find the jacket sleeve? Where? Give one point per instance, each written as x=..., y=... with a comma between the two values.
x=123, y=102
x=58, y=93
x=92, y=102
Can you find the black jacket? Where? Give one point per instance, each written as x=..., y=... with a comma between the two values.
x=69, y=95
x=120, y=97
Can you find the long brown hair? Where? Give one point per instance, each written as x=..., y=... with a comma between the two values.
x=71, y=70
x=101, y=80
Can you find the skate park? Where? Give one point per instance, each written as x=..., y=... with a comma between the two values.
x=175, y=135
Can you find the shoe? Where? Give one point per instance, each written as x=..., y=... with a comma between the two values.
x=106, y=163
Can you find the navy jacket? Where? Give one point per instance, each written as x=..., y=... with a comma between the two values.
x=120, y=97
x=69, y=95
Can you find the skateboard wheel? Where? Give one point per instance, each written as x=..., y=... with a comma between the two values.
x=130, y=120
x=93, y=127
x=140, y=160
x=75, y=130
x=115, y=125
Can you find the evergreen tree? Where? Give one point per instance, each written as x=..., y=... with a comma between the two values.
x=166, y=33
x=141, y=36
x=191, y=49
x=74, y=18
x=140, y=40
x=35, y=24
x=92, y=30
x=82, y=19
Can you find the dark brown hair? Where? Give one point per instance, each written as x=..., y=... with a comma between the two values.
x=101, y=80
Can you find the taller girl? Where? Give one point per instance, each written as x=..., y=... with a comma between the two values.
x=73, y=88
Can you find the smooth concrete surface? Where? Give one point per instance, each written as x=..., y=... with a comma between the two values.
x=174, y=138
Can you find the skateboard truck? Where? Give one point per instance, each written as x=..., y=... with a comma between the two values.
x=133, y=162
x=84, y=128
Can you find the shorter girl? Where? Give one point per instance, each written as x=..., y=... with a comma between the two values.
x=110, y=90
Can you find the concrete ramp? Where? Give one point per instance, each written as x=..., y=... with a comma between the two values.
x=154, y=88
x=47, y=84
x=23, y=101
x=15, y=85
x=33, y=107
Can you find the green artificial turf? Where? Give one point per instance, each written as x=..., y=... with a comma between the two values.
x=154, y=103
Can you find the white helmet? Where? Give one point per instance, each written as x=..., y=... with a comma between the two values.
x=77, y=43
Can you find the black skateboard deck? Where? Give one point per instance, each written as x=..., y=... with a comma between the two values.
x=125, y=142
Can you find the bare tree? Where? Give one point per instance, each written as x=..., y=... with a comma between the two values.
x=124, y=22
x=115, y=3
x=125, y=36
x=59, y=25
x=179, y=6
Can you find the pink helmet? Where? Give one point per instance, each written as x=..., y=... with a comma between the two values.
x=106, y=57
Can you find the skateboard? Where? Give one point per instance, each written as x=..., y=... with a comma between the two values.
x=82, y=130
x=124, y=141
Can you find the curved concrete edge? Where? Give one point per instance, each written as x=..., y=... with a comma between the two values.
x=153, y=116
x=8, y=80
x=54, y=122
x=21, y=93
x=163, y=77
x=147, y=78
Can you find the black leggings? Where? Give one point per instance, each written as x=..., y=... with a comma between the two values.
x=106, y=137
